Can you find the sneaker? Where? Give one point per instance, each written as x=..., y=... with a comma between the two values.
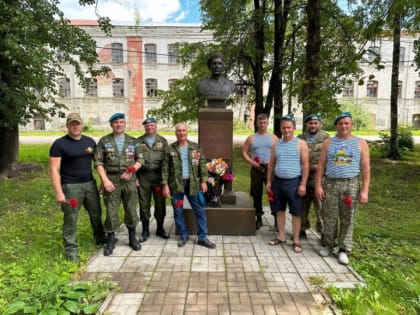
x=343, y=258
x=206, y=243
x=324, y=251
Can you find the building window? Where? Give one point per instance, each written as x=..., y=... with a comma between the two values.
x=399, y=89
x=348, y=89
x=171, y=83
x=118, y=87
x=372, y=89
x=402, y=55
x=417, y=90
x=151, y=87
x=150, y=53
x=372, y=53
x=172, y=54
x=117, y=52
x=64, y=87
x=93, y=87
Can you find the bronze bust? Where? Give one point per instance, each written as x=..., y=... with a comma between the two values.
x=216, y=88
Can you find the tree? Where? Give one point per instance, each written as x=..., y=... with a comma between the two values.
x=35, y=39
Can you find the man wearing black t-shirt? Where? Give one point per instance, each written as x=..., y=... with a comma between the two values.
x=71, y=159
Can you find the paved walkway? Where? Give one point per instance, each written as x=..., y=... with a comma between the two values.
x=243, y=275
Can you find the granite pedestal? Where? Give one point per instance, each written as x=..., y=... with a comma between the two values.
x=229, y=219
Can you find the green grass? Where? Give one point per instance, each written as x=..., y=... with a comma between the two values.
x=386, y=252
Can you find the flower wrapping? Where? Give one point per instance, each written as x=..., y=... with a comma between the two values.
x=73, y=203
x=348, y=201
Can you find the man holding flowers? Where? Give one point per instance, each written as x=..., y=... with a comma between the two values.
x=71, y=175
x=256, y=152
x=116, y=164
x=342, y=158
x=184, y=173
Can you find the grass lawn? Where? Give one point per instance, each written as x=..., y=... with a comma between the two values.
x=34, y=275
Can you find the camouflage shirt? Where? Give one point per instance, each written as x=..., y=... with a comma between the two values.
x=314, y=151
x=151, y=158
x=172, y=168
x=106, y=154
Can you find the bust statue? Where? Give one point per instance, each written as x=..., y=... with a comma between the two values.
x=216, y=88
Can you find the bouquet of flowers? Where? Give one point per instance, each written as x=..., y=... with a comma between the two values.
x=219, y=173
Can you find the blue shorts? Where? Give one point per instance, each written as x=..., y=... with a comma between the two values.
x=285, y=194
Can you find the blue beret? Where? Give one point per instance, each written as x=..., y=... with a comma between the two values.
x=341, y=115
x=116, y=116
x=288, y=117
x=149, y=120
x=312, y=117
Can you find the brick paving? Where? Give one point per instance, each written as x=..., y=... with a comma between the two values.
x=243, y=275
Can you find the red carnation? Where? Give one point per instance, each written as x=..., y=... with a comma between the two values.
x=270, y=196
x=179, y=203
x=73, y=203
x=158, y=190
x=131, y=169
x=348, y=201
x=257, y=159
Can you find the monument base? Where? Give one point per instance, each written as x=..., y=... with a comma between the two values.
x=229, y=219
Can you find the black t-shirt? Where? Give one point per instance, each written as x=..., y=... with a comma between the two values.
x=76, y=158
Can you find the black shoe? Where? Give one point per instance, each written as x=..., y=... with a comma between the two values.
x=101, y=240
x=206, y=243
x=258, y=224
x=144, y=236
x=302, y=234
x=162, y=233
x=182, y=241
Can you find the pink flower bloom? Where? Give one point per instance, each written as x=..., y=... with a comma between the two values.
x=228, y=177
x=73, y=203
x=348, y=201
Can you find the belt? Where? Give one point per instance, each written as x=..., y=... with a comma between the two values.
x=115, y=173
x=294, y=178
x=150, y=170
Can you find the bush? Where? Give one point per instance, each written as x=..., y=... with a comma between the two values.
x=405, y=140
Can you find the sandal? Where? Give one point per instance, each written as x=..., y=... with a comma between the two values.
x=297, y=248
x=276, y=241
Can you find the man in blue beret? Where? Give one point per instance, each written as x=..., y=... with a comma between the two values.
x=342, y=158
x=314, y=137
x=151, y=152
x=116, y=164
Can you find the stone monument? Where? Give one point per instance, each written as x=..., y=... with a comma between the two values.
x=215, y=136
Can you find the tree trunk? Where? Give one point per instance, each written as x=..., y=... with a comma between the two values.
x=312, y=66
x=275, y=89
x=258, y=70
x=9, y=138
x=393, y=140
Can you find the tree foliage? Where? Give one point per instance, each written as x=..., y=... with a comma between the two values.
x=35, y=40
x=258, y=40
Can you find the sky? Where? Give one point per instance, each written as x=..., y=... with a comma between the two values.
x=122, y=11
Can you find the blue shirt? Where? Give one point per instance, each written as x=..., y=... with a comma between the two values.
x=343, y=158
x=261, y=147
x=288, y=164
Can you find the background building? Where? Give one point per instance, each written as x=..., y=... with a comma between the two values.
x=143, y=59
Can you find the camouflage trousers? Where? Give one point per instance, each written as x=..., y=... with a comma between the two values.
x=307, y=201
x=125, y=192
x=337, y=214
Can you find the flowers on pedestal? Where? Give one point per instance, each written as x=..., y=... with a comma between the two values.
x=218, y=175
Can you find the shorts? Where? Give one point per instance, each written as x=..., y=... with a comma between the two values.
x=285, y=194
